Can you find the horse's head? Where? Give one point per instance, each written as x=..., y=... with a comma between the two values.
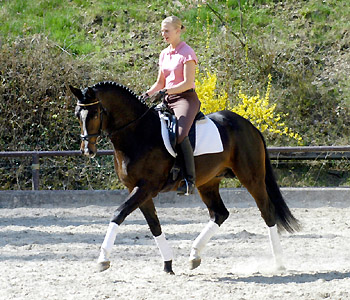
x=89, y=111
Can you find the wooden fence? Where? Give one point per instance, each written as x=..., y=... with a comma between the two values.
x=276, y=153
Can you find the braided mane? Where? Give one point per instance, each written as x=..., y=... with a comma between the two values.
x=123, y=88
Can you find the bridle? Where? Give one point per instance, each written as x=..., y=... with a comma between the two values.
x=86, y=137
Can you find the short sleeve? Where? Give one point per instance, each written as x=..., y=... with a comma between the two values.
x=161, y=58
x=190, y=55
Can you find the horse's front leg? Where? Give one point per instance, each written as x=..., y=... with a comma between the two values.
x=133, y=201
x=150, y=214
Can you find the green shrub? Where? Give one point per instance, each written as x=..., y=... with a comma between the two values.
x=46, y=45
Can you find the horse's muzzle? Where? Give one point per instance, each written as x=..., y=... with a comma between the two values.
x=88, y=150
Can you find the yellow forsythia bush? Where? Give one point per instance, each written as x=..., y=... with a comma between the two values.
x=206, y=90
x=256, y=109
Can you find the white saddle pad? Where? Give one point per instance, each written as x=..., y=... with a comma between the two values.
x=208, y=139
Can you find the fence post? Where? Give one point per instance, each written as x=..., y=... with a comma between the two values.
x=35, y=171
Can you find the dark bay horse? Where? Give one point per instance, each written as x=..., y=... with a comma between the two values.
x=143, y=165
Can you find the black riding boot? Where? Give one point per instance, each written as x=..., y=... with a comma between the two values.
x=189, y=168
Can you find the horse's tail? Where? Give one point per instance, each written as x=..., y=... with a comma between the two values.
x=284, y=218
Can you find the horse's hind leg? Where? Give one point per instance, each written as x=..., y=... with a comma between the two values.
x=267, y=210
x=150, y=214
x=257, y=189
x=218, y=214
x=276, y=247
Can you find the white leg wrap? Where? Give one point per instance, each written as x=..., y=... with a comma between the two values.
x=108, y=242
x=165, y=250
x=275, y=246
x=209, y=230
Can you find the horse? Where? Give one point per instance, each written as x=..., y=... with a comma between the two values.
x=143, y=165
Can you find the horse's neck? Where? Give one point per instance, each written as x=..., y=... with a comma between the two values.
x=141, y=135
x=120, y=109
x=127, y=120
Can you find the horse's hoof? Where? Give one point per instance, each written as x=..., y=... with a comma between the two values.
x=168, y=267
x=103, y=266
x=194, y=263
x=280, y=268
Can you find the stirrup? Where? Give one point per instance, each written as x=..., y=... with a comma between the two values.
x=186, y=189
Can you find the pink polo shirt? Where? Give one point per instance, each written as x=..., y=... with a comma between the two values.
x=171, y=63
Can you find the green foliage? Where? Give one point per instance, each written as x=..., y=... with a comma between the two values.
x=46, y=45
x=34, y=107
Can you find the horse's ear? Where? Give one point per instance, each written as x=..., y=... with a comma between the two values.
x=90, y=94
x=76, y=92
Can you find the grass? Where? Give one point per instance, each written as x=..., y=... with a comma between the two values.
x=58, y=20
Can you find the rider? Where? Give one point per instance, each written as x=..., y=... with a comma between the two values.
x=177, y=68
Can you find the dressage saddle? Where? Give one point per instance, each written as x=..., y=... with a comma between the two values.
x=172, y=126
x=171, y=122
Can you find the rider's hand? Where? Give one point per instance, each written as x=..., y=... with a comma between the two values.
x=144, y=97
x=159, y=96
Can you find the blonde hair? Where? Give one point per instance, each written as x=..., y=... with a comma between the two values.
x=174, y=21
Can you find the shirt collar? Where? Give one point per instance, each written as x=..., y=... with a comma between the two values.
x=178, y=47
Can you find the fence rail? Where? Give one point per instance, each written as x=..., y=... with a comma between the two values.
x=276, y=153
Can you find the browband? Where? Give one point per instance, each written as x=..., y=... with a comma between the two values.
x=88, y=104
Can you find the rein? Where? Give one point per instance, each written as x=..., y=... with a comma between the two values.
x=131, y=122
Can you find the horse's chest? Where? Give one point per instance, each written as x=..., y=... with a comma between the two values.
x=124, y=168
x=122, y=163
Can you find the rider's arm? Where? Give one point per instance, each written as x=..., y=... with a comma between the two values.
x=158, y=85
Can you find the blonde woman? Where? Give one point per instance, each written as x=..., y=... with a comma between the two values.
x=176, y=77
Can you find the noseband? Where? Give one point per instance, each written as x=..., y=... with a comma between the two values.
x=86, y=137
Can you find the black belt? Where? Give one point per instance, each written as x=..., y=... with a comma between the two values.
x=190, y=90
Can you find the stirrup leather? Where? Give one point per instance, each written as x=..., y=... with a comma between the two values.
x=186, y=189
